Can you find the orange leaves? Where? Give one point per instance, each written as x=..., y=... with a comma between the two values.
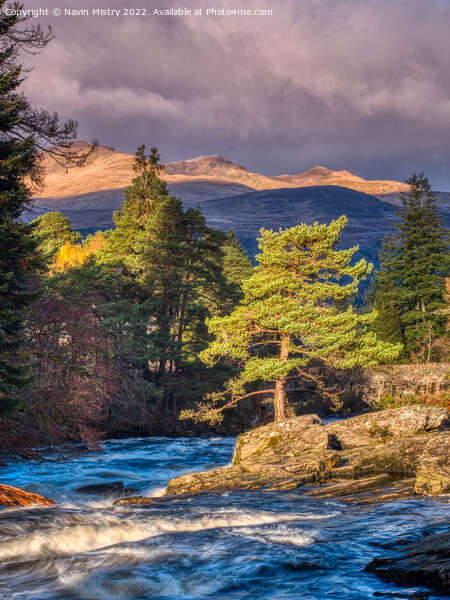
x=95, y=243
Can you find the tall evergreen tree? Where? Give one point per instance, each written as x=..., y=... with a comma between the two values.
x=177, y=264
x=414, y=264
x=237, y=266
x=184, y=279
x=146, y=192
x=291, y=314
x=52, y=230
x=24, y=130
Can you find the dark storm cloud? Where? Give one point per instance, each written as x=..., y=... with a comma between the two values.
x=345, y=83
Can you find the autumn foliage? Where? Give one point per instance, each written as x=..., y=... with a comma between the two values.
x=70, y=256
x=74, y=380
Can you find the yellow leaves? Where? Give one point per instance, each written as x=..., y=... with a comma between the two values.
x=74, y=255
x=70, y=256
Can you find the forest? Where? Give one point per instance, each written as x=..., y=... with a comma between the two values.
x=162, y=324
x=129, y=329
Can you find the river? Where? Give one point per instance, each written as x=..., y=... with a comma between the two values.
x=253, y=545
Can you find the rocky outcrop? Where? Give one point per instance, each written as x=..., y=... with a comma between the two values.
x=382, y=455
x=12, y=496
x=399, y=381
x=426, y=562
x=432, y=480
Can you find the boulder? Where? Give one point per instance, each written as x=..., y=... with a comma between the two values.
x=432, y=480
x=114, y=488
x=426, y=562
x=133, y=500
x=385, y=425
x=12, y=496
x=274, y=442
x=220, y=480
x=347, y=488
x=155, y=502
x=349, y=459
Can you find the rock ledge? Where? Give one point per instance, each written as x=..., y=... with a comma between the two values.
x=423, y=563
x=378, y=456
x=12, y=496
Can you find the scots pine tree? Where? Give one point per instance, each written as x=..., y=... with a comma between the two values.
x=292, y=314
x=414, y=264
x=52, y=230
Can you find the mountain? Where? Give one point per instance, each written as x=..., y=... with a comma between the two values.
x=108, y=172
x=323, y=176
x=369, y=218
x=230, y=195
x=218, y=168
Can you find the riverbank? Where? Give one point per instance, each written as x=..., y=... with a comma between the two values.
x=374, y=457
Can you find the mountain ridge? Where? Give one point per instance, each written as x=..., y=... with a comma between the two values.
x=230, y=196
x=107, y=169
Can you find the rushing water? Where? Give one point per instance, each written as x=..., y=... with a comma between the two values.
x=253, y=545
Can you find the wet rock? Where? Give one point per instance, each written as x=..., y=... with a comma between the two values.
x=157, y=501
x=12, y=496
x=398, y=490
x=114, y=488
x=426, y=563
x=384, y=455
x=218, y=480
x=133, y=500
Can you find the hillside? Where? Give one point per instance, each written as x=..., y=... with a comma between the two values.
x=108, y=172
x=230, y=195
x=323, y=176
x=369, y=218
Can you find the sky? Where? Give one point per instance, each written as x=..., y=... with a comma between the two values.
x=346, y=84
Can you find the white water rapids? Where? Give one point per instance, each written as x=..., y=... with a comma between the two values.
x=253, y=545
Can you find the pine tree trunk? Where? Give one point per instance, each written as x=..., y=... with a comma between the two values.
x=278, y=400
x=180, y=332
x=429, y=345
x=280, y=383
x=161, y=369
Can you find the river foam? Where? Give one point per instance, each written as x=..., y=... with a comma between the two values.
x=75, y=534
x=230, y=546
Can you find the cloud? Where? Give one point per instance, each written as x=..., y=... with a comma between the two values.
x=346, y=83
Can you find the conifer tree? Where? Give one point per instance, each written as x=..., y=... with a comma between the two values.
x=414, y=264
x=236, y=264
x=52, y=230
x=24, y=131
x=146, y=192
x=290, y=315
x=184, y=283
x=177, y=264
